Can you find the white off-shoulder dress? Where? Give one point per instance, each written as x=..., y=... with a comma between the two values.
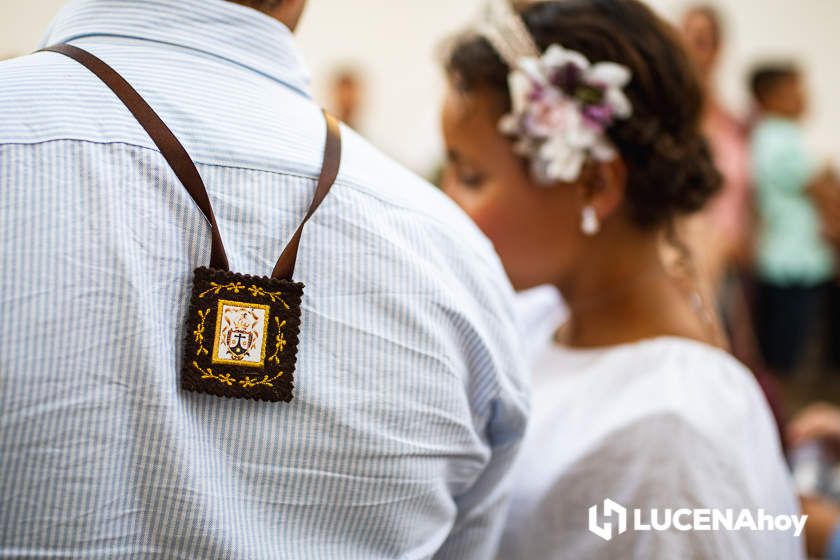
x=663, y=423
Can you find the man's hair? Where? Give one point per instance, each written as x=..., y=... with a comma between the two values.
x=261, y=5
x=766, y=77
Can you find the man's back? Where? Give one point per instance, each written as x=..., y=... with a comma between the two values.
x=408, y=404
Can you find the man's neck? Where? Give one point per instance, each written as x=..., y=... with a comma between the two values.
x=287, y=12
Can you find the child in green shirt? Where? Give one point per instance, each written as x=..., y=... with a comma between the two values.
x=795, y=264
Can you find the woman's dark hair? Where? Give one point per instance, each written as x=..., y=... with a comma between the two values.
x=670, y=168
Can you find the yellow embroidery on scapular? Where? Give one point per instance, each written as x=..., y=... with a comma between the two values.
x=234, y=287
x=259, y=291
x=198, y=333
x=247, y=383
x=279, y=341
x=227, y=379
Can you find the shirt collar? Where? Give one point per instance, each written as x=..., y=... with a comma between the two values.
x=240, y=35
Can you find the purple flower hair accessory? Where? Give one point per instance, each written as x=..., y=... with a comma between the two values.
x=562, y=106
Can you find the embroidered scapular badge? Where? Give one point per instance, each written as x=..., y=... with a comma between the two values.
x=242, y=336
x=242, y=331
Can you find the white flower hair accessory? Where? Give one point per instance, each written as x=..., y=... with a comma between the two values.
x=561, y=104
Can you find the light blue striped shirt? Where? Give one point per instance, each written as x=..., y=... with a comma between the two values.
x=409, y=401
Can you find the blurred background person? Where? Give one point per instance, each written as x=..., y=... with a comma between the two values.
x=795, y=263
x=722, y=234
x=347, y=95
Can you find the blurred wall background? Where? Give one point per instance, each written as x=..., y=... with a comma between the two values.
x=395, y=45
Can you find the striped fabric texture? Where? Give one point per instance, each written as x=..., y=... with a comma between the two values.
x=410, y=398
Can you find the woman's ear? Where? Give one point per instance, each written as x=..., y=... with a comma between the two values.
x=602, y=186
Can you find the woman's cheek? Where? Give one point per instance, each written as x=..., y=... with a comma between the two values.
x=498, y=222
x=504, y=217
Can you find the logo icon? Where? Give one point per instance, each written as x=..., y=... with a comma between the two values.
x=611, y=510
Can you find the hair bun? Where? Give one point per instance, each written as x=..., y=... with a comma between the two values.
x=701, y=178
x=679, y=177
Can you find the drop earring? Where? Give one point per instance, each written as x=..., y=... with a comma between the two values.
x=589, y=223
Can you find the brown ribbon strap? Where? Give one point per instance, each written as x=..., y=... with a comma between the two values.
x=285, y=267
x=185, y=169
x=167, y=143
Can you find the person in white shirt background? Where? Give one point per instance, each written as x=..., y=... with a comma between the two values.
x=574, y=142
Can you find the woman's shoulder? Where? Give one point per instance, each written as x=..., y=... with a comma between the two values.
x=668, y=360
x=694, y=410
x=689, y=382
x=673, y=358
